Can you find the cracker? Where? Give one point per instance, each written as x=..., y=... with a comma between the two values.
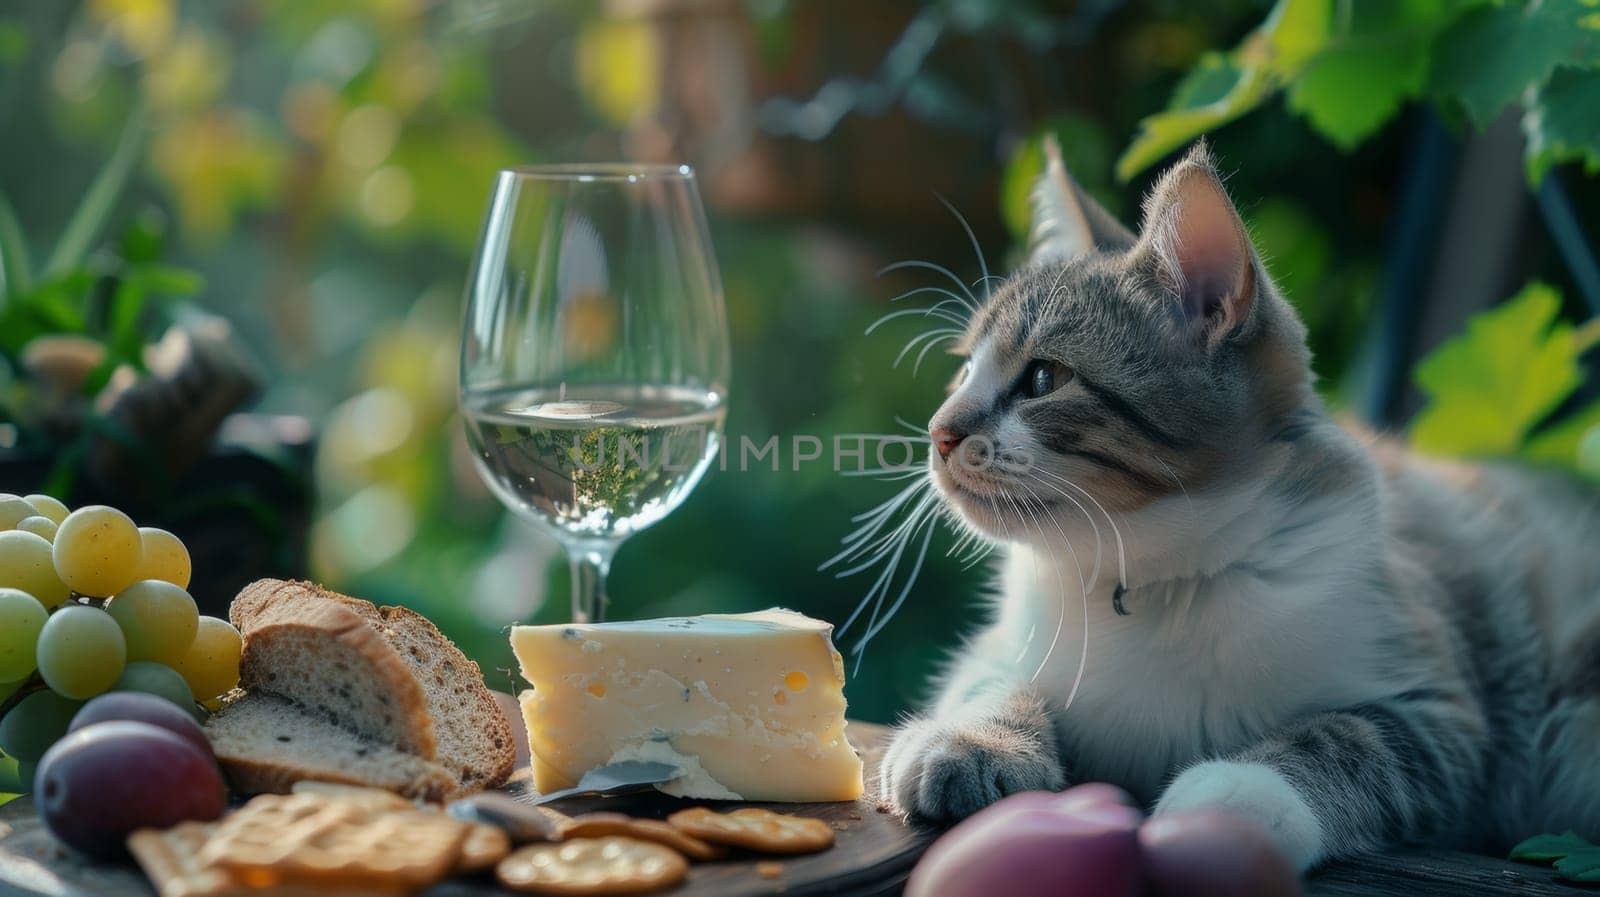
x=756, y=829
x=594, y=825
x=170, y=859
x=484, y=846
x=309, y=837
x=592, y=866
x=374, y=798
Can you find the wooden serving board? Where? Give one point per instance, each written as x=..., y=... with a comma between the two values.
x=873, y=854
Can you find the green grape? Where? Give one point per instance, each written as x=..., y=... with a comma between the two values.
x=40, y=526
x=37, y=722
x=156, y=679
x=13, y=509
x=26, y=564
x=47, y=507
x=211, y=665
x=163, y=557
x=158, y=619
x=21, y=618
x=97, y=551
x=81, y=651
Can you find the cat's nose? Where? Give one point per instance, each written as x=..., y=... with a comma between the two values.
x=946, y=440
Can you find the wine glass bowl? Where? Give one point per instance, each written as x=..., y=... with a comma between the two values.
x=594, y=354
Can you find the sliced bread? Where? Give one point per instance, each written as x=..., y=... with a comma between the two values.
x=266, y=743
x=473, y=738
x=324, y=655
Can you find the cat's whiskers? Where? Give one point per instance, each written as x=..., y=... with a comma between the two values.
x=971, y=302
x=1083, y=600
x=1116, y=532
x=1188, y=502
x=1099, y=546
x=972, y=238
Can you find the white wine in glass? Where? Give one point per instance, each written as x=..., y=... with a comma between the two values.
x=594, y=359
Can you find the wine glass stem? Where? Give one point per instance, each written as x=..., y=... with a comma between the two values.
x=591, y=561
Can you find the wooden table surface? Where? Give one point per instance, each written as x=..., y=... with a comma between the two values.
x=873, y=856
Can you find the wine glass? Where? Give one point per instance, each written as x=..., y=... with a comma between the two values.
x=594, y=355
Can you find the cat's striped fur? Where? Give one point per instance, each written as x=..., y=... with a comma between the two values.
x=1352, y=645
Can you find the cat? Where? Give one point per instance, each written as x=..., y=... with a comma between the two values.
x=1353, y=646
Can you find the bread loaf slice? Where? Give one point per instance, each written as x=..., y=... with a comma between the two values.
x=472, y=735
x=266, y=743
x=324, y=655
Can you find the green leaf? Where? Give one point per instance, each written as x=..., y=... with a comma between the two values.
x=1580, y=865
x=1548, y=848
x=1562, y=123
x=16, y=276
x=1490, y=386
x=100, y=199
x=1164, y=132
x=167, y=280
x=1494, y=55
x=1350, y=92
x=125, y=327
x=1377, y=59
x=1224, y=88
x=1295, y=30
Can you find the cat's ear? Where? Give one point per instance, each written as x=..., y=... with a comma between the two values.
x=1199, y=246
x=1067, y=222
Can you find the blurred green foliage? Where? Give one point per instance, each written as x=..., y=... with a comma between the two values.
x=1349, y=66
x=1492, y=387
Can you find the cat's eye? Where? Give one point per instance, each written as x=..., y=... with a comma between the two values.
x=1042, y=377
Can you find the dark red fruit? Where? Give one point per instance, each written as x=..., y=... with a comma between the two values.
x=140, y=707
x=103, y=781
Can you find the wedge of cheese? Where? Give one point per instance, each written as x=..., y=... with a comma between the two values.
x=749, y=706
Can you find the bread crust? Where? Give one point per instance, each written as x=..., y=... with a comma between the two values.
x=267, y=604
x=269, y=609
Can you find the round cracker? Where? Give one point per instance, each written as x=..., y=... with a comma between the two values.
x=592, y=866
x=595, y=825
x=756, y=829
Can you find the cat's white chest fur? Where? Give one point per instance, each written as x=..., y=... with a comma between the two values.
x=1199, y=666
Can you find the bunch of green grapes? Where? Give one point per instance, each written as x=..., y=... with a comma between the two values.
x=90, y=603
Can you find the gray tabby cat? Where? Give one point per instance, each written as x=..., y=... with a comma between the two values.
x=1351, y=645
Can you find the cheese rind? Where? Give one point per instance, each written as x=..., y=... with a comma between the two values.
x=755, y=701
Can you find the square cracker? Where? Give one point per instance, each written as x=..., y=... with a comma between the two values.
x=314, y=839
x=170, y=858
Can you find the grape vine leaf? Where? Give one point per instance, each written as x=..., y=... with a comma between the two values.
x=1575, y=859
x=1489, y=387
x=1580, y=865
x=1562, y=123
x=1548, y=848
x=1376, y=58
x=1348, y=93
x=1495, y=54
x=1226, y=86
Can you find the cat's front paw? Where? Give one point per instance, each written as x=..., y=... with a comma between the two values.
x=1257, y=792
x=946, y=772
